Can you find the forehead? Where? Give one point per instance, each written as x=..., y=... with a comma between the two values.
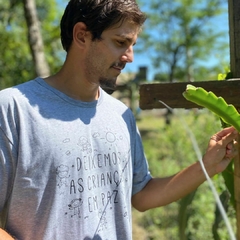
x=125, y=29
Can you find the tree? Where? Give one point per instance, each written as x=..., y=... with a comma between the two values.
x=182, y=37
x=16, y=62
x=35, y=38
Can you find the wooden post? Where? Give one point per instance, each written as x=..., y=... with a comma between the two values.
x=234, y=32
x=237, y=188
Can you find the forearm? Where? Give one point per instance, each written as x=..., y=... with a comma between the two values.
x=162, y=191
x=4, y=235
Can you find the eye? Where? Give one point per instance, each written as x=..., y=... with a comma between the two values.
x=120, y=42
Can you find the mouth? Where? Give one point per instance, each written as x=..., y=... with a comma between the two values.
x=118, y=66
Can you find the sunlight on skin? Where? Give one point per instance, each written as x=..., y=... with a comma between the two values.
x=4, y=235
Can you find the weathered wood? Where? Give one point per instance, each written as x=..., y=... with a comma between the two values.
x=234, y=33
x=171, y=93
x=237, y=188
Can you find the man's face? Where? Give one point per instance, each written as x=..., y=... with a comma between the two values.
x=106, y=58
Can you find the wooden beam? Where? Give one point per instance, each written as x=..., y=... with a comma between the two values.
x=171, y=93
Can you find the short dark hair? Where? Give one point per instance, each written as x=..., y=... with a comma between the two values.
x=98, y=15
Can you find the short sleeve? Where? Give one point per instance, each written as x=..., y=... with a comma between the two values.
x=141, y=173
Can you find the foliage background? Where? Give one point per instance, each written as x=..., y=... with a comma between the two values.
x=169, y=149
x=16, y=63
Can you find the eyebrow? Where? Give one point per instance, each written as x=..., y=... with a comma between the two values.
x=128, y=39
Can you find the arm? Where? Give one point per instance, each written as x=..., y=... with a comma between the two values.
x=4, y=235
x=162, y=191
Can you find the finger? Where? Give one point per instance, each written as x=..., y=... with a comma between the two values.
x=230, y=146
x=229, y=139
x=231, y=150
x=227, y=131
x=230, y=153
x=223, y=133
x=235, y=143
x=223, y=139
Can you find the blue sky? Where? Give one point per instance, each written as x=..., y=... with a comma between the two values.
x=220, y=23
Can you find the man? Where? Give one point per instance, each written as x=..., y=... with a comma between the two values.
x=71, y=159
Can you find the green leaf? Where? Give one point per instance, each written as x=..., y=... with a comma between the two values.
x=217, y=105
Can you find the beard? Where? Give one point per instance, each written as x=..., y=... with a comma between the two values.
x=108, y=84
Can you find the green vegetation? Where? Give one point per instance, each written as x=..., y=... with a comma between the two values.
x=16, y=63
x=169, y=149
x=180, y=37
x=227, y=112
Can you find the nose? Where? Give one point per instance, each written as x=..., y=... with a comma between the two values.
x=128, y=55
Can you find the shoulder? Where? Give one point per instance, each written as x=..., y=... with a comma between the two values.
x=116, y=105
x=8, y=95
x=16, y=94
x=16, y=90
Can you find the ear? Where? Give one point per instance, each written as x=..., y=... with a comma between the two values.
x=80, y=34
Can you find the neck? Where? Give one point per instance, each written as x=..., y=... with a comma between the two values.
x=73, y=83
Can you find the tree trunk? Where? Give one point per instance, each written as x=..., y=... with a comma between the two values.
x=35, y=39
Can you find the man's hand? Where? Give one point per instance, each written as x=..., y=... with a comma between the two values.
x=221, y=150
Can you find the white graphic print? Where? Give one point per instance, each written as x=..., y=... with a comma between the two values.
x=94, y=177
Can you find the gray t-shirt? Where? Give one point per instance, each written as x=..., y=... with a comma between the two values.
x=68, y=168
